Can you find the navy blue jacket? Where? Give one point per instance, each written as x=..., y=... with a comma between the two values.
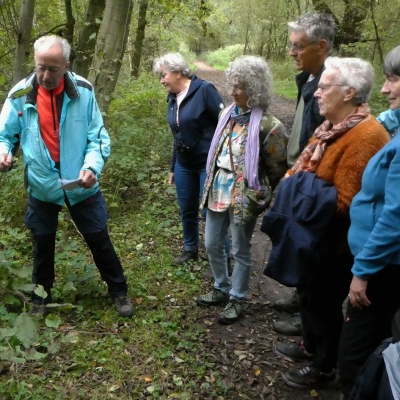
x=297, y=225
x=311, y=116
x=198, y=118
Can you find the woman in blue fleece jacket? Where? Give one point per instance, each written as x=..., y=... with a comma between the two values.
x=374, y=239
x=192, y=114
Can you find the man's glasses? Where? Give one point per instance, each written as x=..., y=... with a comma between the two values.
x=296, y=48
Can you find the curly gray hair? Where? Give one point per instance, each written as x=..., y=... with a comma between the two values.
x=172, y=62
x=355, y=73
x=255, y=75
x=317, y=26
x=51, y=40
x=391, y=64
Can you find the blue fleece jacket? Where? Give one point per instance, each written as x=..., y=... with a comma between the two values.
x=198, y=118
x=374, y=234
x=84, y=142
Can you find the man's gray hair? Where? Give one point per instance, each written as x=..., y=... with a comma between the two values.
x=52, y=40
x=353, y=72
x=316, y=26
x=172, y=62
x=255, y=75
x=391, y=65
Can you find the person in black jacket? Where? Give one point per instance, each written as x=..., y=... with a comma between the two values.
x=192, y=114
x=310, y=42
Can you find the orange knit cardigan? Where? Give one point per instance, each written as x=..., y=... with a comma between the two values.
x=345, y=159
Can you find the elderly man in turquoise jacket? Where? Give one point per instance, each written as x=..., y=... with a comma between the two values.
x=55, y=116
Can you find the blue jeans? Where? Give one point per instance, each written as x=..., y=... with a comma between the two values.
x=90, y=216
x=217, y=225
x=189, y=185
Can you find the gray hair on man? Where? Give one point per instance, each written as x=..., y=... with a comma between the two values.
x=51, y=40
x=316, y=26
x=391, y=64
x=172, y=62
x=255, y=75
x=353, y=72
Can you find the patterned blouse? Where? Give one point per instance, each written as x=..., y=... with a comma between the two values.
x=221, y=191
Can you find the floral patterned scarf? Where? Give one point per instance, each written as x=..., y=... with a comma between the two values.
x=326, y=133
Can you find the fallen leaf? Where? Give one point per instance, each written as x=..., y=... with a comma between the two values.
x=115, y=387
x=313, y=393
x=150, y=389
x=257, y=371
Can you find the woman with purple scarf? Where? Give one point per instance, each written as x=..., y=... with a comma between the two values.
x=247, y=158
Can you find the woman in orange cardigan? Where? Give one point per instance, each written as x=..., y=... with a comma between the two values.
x=338, y=152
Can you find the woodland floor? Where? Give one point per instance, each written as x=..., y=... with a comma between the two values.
x=244, y=351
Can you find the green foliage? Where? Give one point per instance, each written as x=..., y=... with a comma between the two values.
x=221, y=58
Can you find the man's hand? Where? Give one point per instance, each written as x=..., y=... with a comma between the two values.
x=357, y=295
x=88, y=179
x=5, y=162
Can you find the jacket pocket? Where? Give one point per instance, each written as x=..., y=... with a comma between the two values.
x=252, y=202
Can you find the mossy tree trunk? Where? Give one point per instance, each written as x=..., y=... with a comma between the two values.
x=141, y=26
x=87, y=37
x=110, y=49
x=23, y=48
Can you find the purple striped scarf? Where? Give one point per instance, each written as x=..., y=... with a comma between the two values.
x=252, y=150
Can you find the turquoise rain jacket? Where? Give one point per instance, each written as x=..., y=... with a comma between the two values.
x=84, y=141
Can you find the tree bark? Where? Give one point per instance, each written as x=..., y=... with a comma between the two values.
x=70, y=26
x=23, y=40
x=110, y=48
x=87, y=37
x=141, y=26
x=349, y=31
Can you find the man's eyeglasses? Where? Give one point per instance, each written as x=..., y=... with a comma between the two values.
x=297, y=49
x=323, y=88
x=42, y=69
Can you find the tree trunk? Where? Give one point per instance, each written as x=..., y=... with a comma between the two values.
x=70, y=26
x=87, y=37
x=137, y=53
x=110, y=48
x=23, y=40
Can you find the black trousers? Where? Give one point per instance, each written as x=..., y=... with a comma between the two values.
x=321, y=310
x=365, y=329
x=90, y=216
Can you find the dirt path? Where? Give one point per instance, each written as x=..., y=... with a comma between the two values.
x=243, y=352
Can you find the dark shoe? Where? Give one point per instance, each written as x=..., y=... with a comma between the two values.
x=185, y=257
x=42, y=300
x=310, y=378
x=296, y=352
x=123, y=306
x=231, y=313
x=38, y=309
x=289, y=328
x=290, y=305
x=212, y=298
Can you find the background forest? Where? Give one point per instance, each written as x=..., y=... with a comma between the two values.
x=81, y=347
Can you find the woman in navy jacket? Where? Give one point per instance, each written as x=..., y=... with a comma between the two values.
x=192, y=114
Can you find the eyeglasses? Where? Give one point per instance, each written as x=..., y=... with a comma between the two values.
x=42, y=69
x=296, y=48
x=323, y=88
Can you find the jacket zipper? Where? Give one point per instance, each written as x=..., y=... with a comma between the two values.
x=52, y=112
